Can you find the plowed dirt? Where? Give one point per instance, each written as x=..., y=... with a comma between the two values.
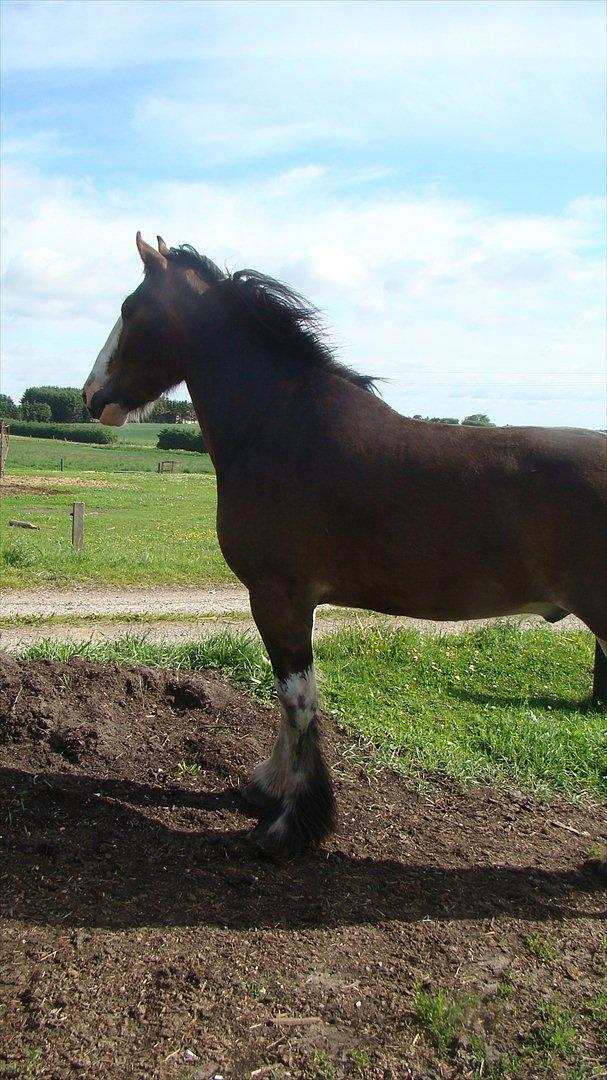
x=143, y=937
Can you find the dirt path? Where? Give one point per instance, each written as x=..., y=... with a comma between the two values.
x=143, y=938
x=172, y=613
x=125, y=600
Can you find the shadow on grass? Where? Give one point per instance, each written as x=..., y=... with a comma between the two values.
x=521, y=701
x=86, y=851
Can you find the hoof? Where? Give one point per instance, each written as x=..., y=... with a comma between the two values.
x=256, y=797
x=278, y=844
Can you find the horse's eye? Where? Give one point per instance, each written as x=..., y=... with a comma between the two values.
x=126, y=310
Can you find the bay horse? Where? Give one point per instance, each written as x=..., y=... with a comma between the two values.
x=327, y=495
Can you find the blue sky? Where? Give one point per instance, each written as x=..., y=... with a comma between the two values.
x=431, y=174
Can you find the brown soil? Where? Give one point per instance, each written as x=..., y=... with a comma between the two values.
x=143, y=937
x=49, y=485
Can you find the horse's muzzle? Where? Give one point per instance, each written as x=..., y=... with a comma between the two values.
x=101, y=407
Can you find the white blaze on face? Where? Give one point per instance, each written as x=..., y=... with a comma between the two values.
x=97, y=378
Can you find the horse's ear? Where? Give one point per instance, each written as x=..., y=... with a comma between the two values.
x=163, y=249
x=152, y=259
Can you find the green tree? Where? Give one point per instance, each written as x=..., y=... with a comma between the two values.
x=168, y=411
x=65, y=402
x=8, y=409
x=437, y=419
x=478, y=419
x=37, y=410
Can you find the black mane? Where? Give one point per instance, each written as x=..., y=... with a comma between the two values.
x=278, y=311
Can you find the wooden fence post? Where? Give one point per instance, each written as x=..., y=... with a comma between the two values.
x=4, y=430
x=78, y=525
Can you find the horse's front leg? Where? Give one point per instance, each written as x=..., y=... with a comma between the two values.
x=292, y=789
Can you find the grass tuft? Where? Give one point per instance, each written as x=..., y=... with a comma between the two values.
x=439, y=1014
x=541, y=948
x=555, y=1035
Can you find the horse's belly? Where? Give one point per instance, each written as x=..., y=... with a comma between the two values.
x=467, y=597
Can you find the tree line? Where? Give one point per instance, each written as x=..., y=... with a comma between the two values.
x=476, y=419
x=64, y=405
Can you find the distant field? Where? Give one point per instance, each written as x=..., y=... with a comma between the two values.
x=141, y=434
x=44, y=455
x=139, y=528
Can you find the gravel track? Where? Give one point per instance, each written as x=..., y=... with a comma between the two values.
x=218, y=608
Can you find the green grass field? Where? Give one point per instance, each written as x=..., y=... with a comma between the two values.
x=44, y=455
x=140, y=434
x=496, y=705
x=139, y=529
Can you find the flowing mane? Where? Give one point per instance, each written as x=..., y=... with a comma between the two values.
x=279, y=312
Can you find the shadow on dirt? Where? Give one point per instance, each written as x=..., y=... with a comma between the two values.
x=84, y=851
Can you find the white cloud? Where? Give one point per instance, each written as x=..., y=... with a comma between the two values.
x=239, y=80
x=321, y=265
x=447, y=299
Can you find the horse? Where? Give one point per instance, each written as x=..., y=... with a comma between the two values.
x=326, y=495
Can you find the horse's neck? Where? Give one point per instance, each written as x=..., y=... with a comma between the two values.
x=237, y=394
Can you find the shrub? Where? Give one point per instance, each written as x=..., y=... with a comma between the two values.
x=181, y=438
x=85, y=433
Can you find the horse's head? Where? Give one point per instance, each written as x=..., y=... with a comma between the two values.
x=144, y=355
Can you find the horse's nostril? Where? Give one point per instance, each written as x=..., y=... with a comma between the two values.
x=97, y=403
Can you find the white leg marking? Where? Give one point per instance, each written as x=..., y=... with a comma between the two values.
x=603, y=645
x=98, y=374
x=299, y=701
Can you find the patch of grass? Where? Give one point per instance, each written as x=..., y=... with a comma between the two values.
x=146, y=434
x=583, y=1072
x=360, y=1061
x=597, y=1009
x=439, y=1015
x=188, y=768
x=138, y=455
x=554, y=1035
x=541, y=948
x=507, y=986
x=14, y=622
x=498, y=703
x=28, y=1068
x=321, y=1066
x=505, y=1065
x=144, y=529
x=256, y=988
x=394, y=692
